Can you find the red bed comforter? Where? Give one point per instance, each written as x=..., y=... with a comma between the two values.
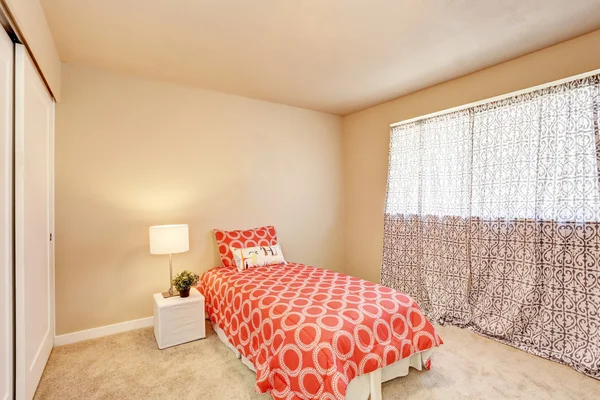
x=309, y=331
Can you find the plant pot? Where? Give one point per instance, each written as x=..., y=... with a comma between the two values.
x=185, y=293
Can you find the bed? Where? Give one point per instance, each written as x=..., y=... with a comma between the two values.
x=311, y=333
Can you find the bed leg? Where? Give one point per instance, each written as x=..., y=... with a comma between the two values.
x=375, y=383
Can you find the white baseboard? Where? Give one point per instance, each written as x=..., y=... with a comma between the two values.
x=93, y=333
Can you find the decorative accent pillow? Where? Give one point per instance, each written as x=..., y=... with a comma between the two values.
x=263, y=236
x=258, y=256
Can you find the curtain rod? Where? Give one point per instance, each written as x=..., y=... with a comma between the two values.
x=497, y=98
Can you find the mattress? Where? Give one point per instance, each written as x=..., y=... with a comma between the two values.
x=308, y=332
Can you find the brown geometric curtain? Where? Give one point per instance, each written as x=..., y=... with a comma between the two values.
x=521, y=263
x=425, y=252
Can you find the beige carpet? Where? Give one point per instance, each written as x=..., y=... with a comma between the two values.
x=130, y=366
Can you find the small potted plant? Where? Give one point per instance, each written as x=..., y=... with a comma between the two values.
x=184, y=281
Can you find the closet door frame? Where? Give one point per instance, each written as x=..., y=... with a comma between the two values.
x=28, y=367
x=6, y=222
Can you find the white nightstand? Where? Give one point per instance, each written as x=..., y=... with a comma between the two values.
x=178, y=320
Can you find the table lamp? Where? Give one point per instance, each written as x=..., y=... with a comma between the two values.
x=169, y=239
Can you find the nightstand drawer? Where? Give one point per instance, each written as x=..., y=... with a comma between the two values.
x=178, y=320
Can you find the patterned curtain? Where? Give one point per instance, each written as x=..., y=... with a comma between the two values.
x=425, y=251
x=520, y=260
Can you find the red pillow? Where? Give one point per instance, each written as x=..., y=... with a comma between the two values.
x=263, y=236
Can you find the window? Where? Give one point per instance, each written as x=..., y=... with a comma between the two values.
x=533, y=156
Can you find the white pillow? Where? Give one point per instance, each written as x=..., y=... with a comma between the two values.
x=258, y=256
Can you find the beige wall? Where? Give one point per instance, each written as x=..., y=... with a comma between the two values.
x=131, y=153
x=366, y=136
x=30, y=18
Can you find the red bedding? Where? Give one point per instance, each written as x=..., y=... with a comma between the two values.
x=309, y=331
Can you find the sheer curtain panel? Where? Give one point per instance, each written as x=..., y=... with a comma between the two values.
x=425, y=251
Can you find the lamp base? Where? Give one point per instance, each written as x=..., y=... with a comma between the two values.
x=166, y=294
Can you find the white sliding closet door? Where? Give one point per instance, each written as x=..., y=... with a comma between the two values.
x=34, y=222
x=6, y=216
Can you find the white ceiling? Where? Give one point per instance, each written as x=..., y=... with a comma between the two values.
x=337, y=56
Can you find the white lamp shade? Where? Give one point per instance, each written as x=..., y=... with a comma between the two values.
x=169, y=239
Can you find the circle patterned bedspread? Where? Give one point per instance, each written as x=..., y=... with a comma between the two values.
x=309, y=331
